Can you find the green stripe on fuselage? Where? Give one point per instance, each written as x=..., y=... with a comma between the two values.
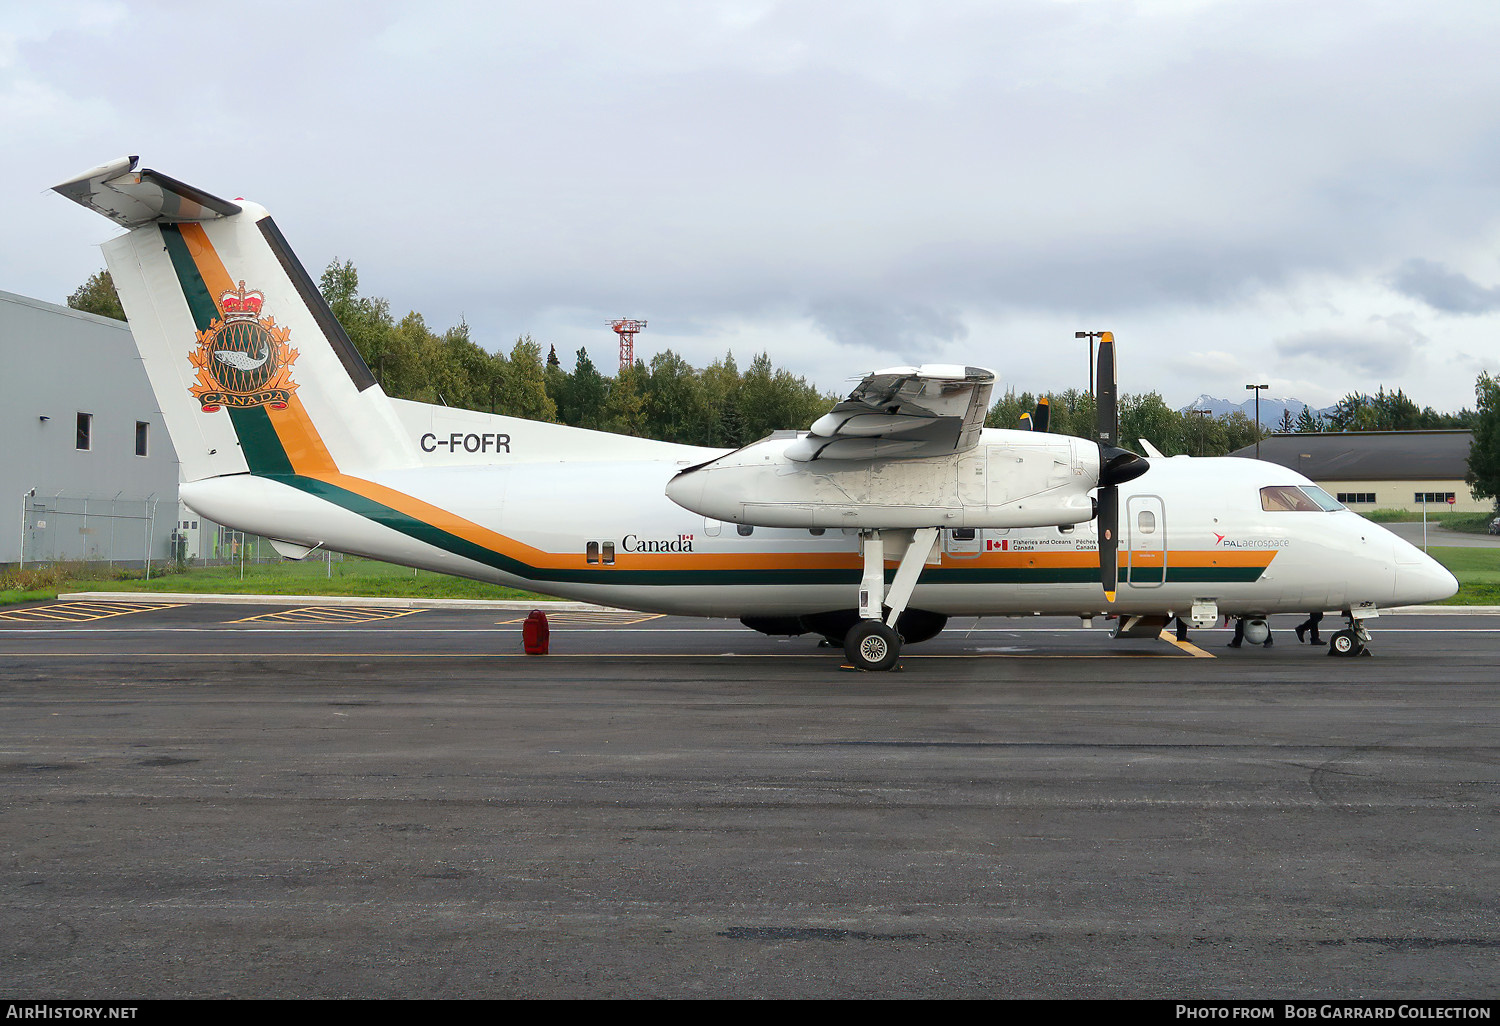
x=410, y=526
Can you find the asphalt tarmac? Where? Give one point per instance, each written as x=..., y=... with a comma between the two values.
x=256, y=801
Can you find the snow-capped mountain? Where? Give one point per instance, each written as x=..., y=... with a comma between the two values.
x=1270, y=409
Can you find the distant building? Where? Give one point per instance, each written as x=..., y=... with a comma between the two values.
x=86, y=469
x=1369, y=470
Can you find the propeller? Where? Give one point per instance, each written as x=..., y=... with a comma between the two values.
x=1037, y=421
x=1116, y=465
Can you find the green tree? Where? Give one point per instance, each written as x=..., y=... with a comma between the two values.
x=624, y=406
x=1484, y=454
x=523, y=392
x=673, y=403
x=98, y=296
x=1307, y=421
x=587, y=390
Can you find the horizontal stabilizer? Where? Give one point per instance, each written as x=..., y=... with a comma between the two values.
x=132, y=198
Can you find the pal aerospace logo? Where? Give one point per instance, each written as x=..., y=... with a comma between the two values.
x=243, y=360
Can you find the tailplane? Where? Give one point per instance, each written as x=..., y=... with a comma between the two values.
x=252, y=371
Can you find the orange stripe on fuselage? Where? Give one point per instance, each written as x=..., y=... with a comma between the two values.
x=304, y=446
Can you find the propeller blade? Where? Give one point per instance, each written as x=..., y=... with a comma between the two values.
x=1043, y=414
x=1025, y=424
x=1106, y=399
x=1109, y=540
x=1116, y=465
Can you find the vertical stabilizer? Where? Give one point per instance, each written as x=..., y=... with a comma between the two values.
x=250, y=368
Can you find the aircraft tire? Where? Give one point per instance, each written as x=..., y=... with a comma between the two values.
x=871, y=645
x=1344, y=643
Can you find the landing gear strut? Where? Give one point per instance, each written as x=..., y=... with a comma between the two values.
x=873, y=644
x=1351, y=641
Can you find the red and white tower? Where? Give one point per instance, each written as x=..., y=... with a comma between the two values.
x=626, y=329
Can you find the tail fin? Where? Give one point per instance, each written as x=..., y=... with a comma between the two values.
x=252, y=371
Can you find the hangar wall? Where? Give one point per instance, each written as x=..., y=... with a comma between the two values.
x=93, y=492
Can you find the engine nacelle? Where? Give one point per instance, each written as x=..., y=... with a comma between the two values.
x=1010, y=479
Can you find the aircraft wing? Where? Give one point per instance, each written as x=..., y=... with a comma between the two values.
x=902, y=412
x=132, y=198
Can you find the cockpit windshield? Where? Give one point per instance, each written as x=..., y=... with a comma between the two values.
x=1322, y=498
x=1297, y=498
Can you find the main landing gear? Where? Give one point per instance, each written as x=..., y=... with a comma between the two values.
x=872, y=643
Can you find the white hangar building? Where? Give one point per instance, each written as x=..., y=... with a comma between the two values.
x=86, y=469
x=1369, y=470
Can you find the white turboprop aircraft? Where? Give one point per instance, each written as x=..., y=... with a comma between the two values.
x=895, y=512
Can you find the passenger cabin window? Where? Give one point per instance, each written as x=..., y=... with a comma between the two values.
x=591, y=553
x=745, y=529
x=609, y=553
x=963, y=533
x=1066, y=528
x=816, y=532
x=1145, y=521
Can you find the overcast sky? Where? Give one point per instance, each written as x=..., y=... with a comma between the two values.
x=1303, y=193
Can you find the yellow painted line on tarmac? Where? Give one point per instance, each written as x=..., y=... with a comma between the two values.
x=1187, y=646
x=329, y=614
x=591, y=617
x=80, y=612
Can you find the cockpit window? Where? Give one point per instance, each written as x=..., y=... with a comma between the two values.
x=1283, y=498
x=1322, y=498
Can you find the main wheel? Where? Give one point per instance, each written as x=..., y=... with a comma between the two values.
x=1344, y=643
x=871, y=645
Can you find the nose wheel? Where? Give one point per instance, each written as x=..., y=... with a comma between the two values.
x=1352, y=641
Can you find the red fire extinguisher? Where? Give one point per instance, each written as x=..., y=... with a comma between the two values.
x=535, y=634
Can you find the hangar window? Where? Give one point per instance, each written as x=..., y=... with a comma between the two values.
x=1357, y=498
x=85, y=437
x=1432, y=497
x=142, y=435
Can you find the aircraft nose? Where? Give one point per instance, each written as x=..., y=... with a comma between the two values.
x=1422, y=580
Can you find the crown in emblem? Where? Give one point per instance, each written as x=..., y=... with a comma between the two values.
x=241, y=305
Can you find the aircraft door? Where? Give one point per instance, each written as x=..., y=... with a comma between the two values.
x=963, y=542
x=1145, y=558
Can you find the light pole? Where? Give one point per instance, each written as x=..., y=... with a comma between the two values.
x=1201, y=427
x=1258, y=389
x=1090, y=335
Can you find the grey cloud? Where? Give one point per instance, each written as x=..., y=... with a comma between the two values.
x=906, y=328
x=1386, y=346
x=1444, y=289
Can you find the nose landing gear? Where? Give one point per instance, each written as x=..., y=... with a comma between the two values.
x=1352, y=641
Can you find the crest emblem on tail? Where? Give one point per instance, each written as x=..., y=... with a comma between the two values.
x=243, y=359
